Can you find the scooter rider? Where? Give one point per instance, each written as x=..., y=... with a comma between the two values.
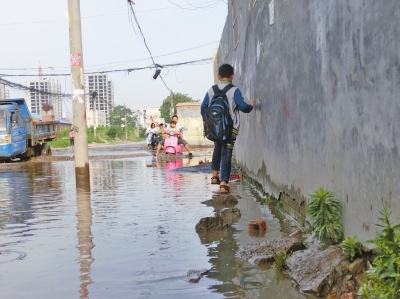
x=180, y=140
x=179, y=127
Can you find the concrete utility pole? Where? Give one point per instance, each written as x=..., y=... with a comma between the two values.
x=126, y=128
x=171, y=111
x=94, y=94
x=82, y=174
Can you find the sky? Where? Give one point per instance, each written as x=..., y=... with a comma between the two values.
x=33, y=31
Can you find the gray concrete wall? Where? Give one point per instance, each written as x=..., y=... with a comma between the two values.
x=326, y=80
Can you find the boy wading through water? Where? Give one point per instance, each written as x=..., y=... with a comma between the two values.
x=222, y=155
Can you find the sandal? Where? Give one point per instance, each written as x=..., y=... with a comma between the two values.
x=215, y=180
x=223, y=188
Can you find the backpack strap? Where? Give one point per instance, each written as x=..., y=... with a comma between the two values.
x=218, y=91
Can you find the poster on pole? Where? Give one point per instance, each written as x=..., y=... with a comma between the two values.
x=76, y=59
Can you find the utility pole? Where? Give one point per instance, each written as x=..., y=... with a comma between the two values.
x=171, y=111
x=126, y=128
x=94, y=94
x=82, y=174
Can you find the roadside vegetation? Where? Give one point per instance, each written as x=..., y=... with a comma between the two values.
x=326, y=210
x=384, y=275
x=112, y=134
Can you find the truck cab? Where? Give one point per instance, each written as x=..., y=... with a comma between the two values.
x=12, y=131
x=20, y=135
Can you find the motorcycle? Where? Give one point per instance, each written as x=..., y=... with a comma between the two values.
x=171, y=145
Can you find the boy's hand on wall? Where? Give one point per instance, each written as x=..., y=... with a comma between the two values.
x=251, y=103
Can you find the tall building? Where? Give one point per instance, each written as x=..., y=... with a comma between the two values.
x=104, y=88
x=36, y=100
x=4, y=93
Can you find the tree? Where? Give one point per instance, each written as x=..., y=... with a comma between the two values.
x=118, y=113
x=178, y=98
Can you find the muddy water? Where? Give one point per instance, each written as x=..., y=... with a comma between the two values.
x=132, y=236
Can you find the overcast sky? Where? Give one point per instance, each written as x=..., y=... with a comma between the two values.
x=33, y=30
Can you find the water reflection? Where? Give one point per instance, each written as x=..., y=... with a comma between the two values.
x=85, y=239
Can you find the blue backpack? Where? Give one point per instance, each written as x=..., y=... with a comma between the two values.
x=218, y=122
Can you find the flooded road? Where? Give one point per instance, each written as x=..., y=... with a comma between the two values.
x=132, y=236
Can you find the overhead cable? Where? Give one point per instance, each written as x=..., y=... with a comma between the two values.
x=193, y=62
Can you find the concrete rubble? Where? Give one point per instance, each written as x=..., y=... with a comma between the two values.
x=195, y=275
x=263, y=251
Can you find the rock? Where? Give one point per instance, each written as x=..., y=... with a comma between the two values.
x=359, y=279
x=210, y=224
x=195, y=275
x=333, y=294
x=358, y=266
x=350, y=285
x=369, y=247
x=230, y=215
x=295, y=233
x=347, y=296
x=263, y=251
x=222, y=200
x=317, y=271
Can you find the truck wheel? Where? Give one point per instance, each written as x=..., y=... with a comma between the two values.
x=46, y=150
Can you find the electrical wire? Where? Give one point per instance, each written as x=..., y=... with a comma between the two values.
x=141, y=32
x=196, y=7
x=18, y=86
x=105, y=15
x=193, y=62
x=117, y=63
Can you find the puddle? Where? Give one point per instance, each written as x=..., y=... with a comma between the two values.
x=132, y=236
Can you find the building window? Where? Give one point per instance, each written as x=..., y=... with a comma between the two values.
x=235, y=23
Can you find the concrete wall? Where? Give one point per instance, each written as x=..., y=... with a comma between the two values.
x=325, y=76
x=190, y=118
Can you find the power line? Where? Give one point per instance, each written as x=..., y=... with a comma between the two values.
x=156, y=66
x=215, y=3
x=145, y=43
x=104, y=15
x=141, y=32
x=117, y=63
x=18, y=86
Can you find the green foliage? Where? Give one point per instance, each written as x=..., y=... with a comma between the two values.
x=351, y=247
x=102, y=135
x=178, y=98
x=280, y=258
x=118, y=113
x=326, y=210
x=384, y=275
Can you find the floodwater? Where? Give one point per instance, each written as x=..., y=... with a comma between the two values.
x=132, y=236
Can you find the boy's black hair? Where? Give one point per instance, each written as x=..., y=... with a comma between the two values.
x=175, y=116
x=225, y=70
x=161, y=125
x=173, y=122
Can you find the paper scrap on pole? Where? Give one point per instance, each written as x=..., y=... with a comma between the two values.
x=78, y=95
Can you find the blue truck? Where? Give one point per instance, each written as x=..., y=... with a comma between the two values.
x=22, y=136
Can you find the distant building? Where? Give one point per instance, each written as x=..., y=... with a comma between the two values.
x=104, y=87
x=35, y=100
x=150, y=115
x=4, y=93
x=101, y=119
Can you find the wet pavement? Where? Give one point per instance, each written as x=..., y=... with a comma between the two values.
x=132, y=236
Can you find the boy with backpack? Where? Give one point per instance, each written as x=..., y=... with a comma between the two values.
x=220, y=112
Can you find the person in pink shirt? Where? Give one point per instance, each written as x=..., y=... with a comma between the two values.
x=71, y=137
